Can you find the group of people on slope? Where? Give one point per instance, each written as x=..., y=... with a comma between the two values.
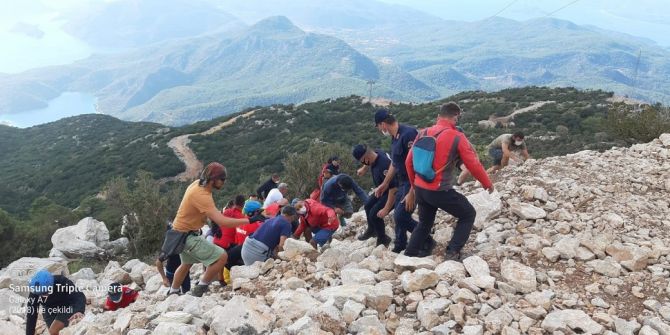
x=255, y=229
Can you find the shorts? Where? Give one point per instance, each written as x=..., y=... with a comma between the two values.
x=49, y=318
x=322, y=236
x=496, y=155
x=198, y=250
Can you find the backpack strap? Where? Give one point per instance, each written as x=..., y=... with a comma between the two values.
x=452, y=153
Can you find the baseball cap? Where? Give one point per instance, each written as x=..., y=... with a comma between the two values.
x=381, y=115
x=358, y=151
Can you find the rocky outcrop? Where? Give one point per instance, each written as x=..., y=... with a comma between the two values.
x=89, y=238
x=574, y=244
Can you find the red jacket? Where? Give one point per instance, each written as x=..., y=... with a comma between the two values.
x=464, y=152
x=228, y=234
x=319, y=216
x=128, y=296
x=245, y=230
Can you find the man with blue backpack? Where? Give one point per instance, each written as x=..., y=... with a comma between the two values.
x=430, y=167
x=402, y=137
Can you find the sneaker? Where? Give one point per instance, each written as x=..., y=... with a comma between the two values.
x=385, y=240
x=366, y=235
x=452, y=256
x=199, y=290
x=398, y=249
x=170, y=292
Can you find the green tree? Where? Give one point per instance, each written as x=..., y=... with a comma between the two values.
x=147, y=206
x=638, y=123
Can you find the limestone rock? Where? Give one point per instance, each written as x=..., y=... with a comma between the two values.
x=294, y=248
x=527, y=211
x=429, y=311
x=486, y=205
x=569, y=320
x=82, y=240
x=419, y=280
x=357, y=276
x=518, y=275
x=241, y=314
x=403, y=262
x=476, y=266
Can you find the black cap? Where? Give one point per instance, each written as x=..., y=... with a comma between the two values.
x=381, y=115
x=358, y=151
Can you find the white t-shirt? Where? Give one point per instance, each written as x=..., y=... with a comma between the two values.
x=273, y=196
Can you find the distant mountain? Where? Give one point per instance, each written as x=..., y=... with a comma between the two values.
x=136, y=23
x=197, y=79
x=497, y=53
x=324, y=15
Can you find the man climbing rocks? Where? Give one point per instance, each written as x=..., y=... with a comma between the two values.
x=378, y=163
x=269, y=238
x=402, y=137
x=196, y=206
x=317, y=220
x=503, y=146
x=59, y=300
x=276, y=194
x=334, y=195
x=267, y=186
x=451, y=148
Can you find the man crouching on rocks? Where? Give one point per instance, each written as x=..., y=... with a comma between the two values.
x=196, y=206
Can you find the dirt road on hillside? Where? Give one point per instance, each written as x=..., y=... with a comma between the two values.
x=181, y=149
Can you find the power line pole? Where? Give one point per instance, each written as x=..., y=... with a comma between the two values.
x=370, y=83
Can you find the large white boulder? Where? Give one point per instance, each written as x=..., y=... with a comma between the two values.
x=81, y=240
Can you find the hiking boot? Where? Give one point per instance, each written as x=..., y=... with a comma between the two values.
x=426, y=249
x=452, y=256
x=398, y=248
x=366, y=235
x=199, y=290
x=385, y=240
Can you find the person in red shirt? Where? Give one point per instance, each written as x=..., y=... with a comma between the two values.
x=316, y=218
x=225, y=237
x=252, y=209
x=452, y=148
x=119, y=297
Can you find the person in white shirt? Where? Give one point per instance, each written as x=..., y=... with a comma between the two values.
x=276, y=194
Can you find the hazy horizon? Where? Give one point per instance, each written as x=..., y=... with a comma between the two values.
x=31, y=34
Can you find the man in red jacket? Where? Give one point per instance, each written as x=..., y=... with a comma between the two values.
x=452, y=148
x=317, y=218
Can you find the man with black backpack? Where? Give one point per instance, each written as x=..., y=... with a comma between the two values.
x=430, y=164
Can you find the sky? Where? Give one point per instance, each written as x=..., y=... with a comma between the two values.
x=39, y=41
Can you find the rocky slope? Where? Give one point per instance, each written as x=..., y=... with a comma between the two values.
x=572, y=244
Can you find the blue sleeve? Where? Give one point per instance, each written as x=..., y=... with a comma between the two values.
x=360, y=193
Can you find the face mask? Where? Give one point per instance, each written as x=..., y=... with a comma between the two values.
x=302, y=211
x=518, y=143
x=386, y=133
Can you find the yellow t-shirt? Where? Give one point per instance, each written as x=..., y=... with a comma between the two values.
x=191, y=214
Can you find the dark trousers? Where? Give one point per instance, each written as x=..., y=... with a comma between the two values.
x=234, y=257
x=185, y=285
x=373, y=206
x=453, y=203
x=403, y=219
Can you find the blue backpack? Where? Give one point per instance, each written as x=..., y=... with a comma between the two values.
x=423, y=154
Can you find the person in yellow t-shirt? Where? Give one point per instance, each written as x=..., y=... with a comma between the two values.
x=195, y=208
